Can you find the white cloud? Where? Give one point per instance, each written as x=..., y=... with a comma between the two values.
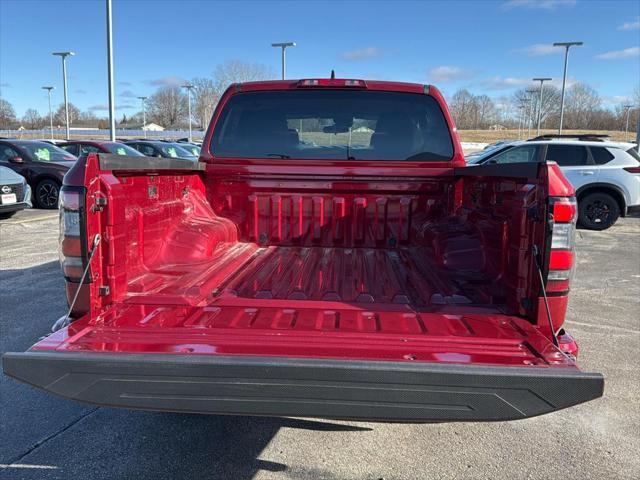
x=631, y=52
x=557, y=82
x=506, y=83
x=171, y=81
x=103, y=107
x=538, y=4
x=128, y=94
x=362, y=54
x=539, y=49
x=630, y=25
x=447, y=74
x=617, y=99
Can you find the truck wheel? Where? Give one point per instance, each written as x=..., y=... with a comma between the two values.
x=598, y=211
x=46, y=194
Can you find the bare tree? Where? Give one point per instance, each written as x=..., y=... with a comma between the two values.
x=472, y=111
x=32, y=119
x=462, y=108
x=87, y=119
x=486, y=111
x=235, y=71
x=550, y=109
x=582, y=106
x=59, y=117
x=7, y=114
x=205, y=98
x=207, y=91
x=167, y=107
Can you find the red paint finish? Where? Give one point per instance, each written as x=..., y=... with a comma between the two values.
x=300, y=330
x=332, y=259
x=559, y=186
x=558, y=310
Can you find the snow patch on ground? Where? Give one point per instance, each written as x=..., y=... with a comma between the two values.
x=473, y=146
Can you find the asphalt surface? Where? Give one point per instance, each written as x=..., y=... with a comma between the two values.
x=42, y=436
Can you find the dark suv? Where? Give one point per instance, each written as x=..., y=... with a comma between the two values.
x=42, y=164
x=161, y=148
x=83, y=147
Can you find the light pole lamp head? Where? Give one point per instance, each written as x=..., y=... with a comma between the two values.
x=48, y=88
x=545, y=79
x=284, y=44
x=64, y=54
x=568, y=44
x=188, y=86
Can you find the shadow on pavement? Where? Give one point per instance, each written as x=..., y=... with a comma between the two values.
x=79, y=441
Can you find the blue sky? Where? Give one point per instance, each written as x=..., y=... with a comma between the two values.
x=491, y=47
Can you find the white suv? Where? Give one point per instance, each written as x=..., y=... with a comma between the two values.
x=605, y=174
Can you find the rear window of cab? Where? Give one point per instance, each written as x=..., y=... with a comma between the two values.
x=333, y=125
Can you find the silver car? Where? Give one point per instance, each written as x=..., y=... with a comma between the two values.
x=15, y=193
x=605, y=174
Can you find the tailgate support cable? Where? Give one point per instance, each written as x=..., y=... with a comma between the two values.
x=536, y=257
x=66, y=320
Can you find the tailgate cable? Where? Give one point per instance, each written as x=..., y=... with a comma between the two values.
x=66, y=320
x=536, y=257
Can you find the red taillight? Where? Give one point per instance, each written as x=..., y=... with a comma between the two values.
x=561, y=260
x=561, y=257
x=632, y=169
x=564, y=210
x=72, y=258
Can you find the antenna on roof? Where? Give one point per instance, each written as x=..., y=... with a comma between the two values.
x=333, y=74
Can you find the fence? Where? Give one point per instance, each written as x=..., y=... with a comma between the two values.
x=94, y=133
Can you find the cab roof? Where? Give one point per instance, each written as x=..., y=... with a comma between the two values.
x=333, y=83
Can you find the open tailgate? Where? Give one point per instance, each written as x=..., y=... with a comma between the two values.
x=487, y=368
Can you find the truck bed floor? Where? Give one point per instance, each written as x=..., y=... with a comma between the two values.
x=353, y=275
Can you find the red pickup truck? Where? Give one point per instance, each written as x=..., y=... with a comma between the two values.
x=329, y=255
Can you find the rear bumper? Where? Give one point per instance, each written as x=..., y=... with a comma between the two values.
x=633, y=209
x=273, y=386
x=13, y=207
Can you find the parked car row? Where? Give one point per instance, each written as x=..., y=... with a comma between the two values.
x=43, y=163
x=605, y=174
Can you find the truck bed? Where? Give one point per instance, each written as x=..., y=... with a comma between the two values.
x=355, y=275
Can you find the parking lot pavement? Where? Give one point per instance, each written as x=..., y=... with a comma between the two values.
x=47, y=437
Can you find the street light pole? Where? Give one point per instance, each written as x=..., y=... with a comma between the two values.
x=144, y=115
x=283, y=46
x=64, y=56
x=48, y=89
x=626, y=128
x=112, y=111
x=541, y=80
x=189, y=87
x=520, y=122
x=567, y=46
x=530, y=116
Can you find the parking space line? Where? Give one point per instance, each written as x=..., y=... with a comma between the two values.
x=28, y=220
x=23, y=465
x=607, y=327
